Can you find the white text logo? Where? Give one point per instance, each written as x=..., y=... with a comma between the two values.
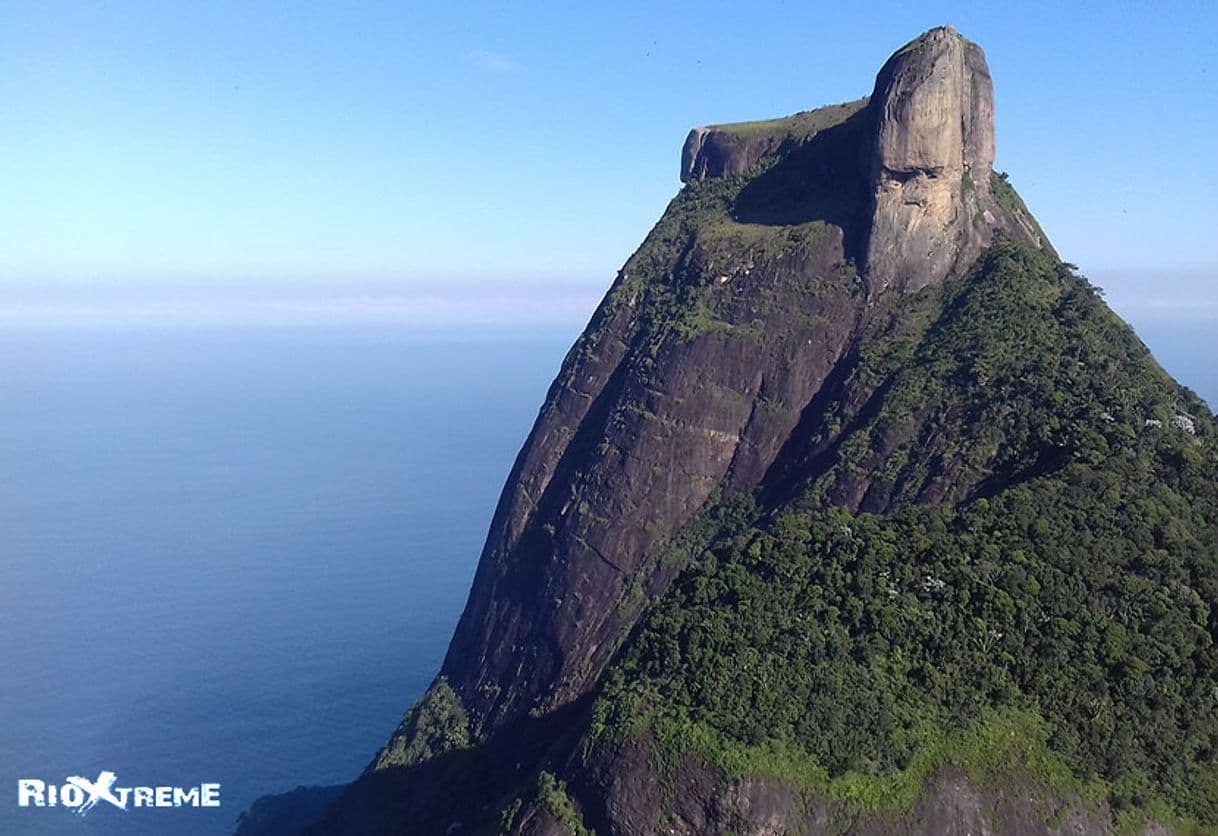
x=81, y=795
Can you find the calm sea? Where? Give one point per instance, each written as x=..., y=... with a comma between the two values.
x=236, y=556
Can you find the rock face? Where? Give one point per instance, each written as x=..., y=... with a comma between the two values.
x=650, y=415
x=933, y=118
x=715, y=151
x=927, y=157
x=646, y=422
x=731, y=356
x=699, y=803
x=711, y=153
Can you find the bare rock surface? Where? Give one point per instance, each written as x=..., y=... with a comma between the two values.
x=933, y=116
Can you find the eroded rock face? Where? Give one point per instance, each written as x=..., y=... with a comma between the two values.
x=646, y=421
x=928, y=158
x=933, y=118
x=709, y=152
x=714, y=151
x=718, y=336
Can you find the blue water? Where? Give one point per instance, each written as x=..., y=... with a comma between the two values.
x=237, y=556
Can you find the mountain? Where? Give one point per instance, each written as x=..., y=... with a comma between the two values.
x=853, y=509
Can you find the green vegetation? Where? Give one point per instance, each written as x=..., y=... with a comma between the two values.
x=798, y=126
x=435, y=724
x=1013, y=206
x=1039, y=596
x=761, y=242
x=1005, y=743
x=552, y=794
x=1019, y=370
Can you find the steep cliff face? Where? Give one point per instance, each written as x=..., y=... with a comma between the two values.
x=688, y=381
x=930, y=165
x=719, y=334
x=706, y=599
x=714, y=151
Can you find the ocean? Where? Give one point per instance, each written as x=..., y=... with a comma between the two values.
x=235, y=556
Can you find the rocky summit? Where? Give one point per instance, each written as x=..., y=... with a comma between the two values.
x=933, y=121
x=852, y=510
x=645, y=422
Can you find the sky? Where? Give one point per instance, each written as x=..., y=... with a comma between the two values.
x=362, y=151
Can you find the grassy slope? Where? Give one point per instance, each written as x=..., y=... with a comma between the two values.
x=797, y=126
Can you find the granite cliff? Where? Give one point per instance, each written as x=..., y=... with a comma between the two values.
x=844, y=322
x=716, y=337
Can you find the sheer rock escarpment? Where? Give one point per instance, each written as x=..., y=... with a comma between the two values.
x=653, y=414
x=929, y=168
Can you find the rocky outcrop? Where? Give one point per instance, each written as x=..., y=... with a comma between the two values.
x=718, y=153
x=697, y=800
x=730, y=150
x=932, y=115
x=927, y=155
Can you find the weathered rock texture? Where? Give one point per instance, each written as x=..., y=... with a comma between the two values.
x=645, y=422
x=730, y=150
x=933, y=123
x=927, y=155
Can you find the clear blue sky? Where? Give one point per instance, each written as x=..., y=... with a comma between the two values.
x=237, y=141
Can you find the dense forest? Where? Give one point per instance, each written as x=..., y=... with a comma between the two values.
x=1059, y=618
